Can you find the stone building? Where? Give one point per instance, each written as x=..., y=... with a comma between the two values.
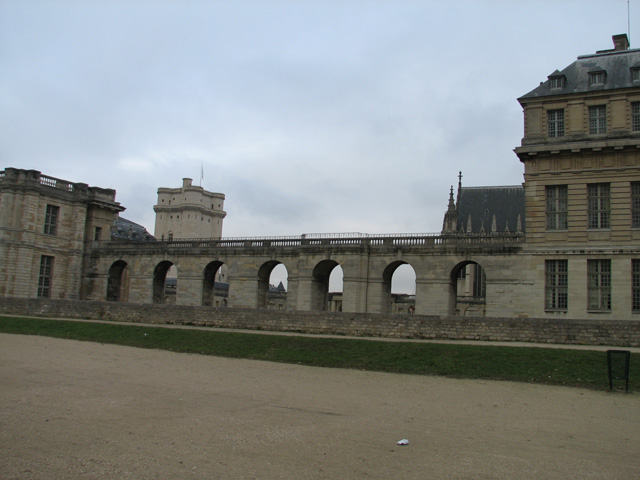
x=581, y=157
x=188, y=212
x=47, y=229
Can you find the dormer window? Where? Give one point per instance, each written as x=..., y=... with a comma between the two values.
x=597, y=77
x=557, y=81
x=635, y=74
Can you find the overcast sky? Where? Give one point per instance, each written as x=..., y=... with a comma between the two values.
x=310, y=116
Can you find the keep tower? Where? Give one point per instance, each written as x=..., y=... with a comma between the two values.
x=188, y=212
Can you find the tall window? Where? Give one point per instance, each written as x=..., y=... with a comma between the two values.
x=635, y=204
x=555, y=123
x=598, y=205
x=556, y=207
x=598, y=119
x=556, y=284
x=635, y=285
x=51, y=219
x=44, y=278
x=635, y=116
x=599, y=284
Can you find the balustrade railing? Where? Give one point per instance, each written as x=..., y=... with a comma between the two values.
x=56, y=183
x=352, y=239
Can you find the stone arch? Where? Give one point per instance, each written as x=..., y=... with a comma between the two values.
x=394, y=302
x=118, y=282
x=320, y=284
x=264, y=283
x=469, y=289
x=160, y=287
x=215, y=290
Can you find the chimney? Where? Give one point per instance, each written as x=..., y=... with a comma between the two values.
x=620, y=42
x=186, y=182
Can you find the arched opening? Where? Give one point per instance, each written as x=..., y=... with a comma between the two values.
x=215, y=287
x=336, y=285
x=469, y=289
x=399, y=288
x=326, y=287
x=165, y=283
x=272, y=281
x=118, y=282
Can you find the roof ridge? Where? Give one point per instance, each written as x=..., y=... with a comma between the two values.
x=604, y=53
x=492, y=186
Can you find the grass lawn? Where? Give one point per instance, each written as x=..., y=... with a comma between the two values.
x=554, y=366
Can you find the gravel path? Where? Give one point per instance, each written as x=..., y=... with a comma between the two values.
x=79, y=410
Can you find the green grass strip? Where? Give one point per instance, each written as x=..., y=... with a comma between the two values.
x=553, y=366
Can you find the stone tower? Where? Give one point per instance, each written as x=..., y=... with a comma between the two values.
x=188, y=212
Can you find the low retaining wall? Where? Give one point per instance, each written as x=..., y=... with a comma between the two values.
x=579, y=332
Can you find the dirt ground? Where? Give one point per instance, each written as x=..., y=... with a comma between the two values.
x=81, y=410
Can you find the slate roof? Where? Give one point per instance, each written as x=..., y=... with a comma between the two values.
x=616, y=63
x=481, y=204
x=124, y=229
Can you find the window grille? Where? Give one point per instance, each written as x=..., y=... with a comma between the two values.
x=556, y=207
x=597, y=78
x=556, y=82
x=51, y=219
x=598, y=205
x=635, y=285
x=44, y=277
x=555, y=123
x=556, y=285
x=635, y=116
x=599, y=284
x=635, y=204
x=598, y=120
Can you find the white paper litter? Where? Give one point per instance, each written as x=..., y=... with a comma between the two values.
x=404, y=441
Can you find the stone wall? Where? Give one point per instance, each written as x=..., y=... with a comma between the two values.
x=561, y=331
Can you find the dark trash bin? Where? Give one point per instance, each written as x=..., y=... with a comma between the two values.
x=618, y=367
